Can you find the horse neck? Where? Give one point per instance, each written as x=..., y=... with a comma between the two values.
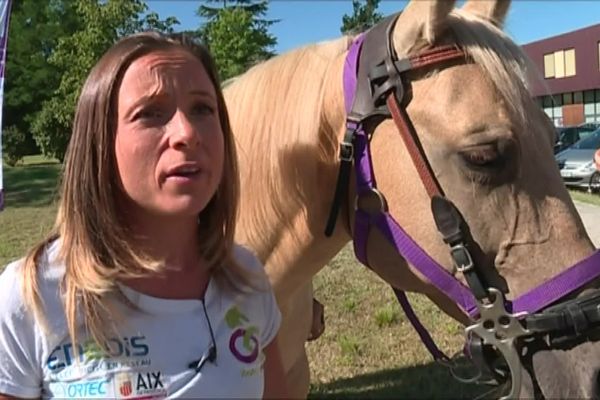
x=288, y=233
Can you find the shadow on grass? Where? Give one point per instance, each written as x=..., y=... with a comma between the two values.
x=31, y=185
x=431, y=381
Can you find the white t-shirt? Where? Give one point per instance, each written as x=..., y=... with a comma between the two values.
x=150, y=357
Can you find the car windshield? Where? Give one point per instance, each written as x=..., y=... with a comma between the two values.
x=591, y=142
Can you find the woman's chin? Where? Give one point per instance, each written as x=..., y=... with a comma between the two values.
x=181, y=210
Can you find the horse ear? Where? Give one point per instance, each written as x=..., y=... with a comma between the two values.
x=421, y=20
x=494, y=11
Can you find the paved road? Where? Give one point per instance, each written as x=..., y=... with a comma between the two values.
x=591, y=219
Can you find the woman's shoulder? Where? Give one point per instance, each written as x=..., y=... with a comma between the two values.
x=250, y=266
x=247, y=258
x=10, y=287
x=49, y=274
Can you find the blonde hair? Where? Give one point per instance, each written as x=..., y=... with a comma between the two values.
x=280, y=106
x=94, y=242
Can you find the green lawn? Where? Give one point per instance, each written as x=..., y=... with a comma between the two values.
x=585, y=197
x=30, y=193
x=368, y=350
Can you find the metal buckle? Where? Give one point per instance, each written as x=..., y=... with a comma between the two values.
x=454, y=365
x=346, y=152
x=460, y=252
x=377, y=204
x=500, y=329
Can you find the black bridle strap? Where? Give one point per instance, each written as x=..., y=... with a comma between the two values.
x=346, y=156
x=455, y=233
x=573, y=318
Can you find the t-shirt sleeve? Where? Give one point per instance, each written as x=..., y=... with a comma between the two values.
x=273, y=317
x=20, y=370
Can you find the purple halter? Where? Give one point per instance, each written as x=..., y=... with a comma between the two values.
x=530, y=302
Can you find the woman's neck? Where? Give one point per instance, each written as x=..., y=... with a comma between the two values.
x=176, y=243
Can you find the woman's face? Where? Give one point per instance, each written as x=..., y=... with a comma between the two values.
x=169, y=143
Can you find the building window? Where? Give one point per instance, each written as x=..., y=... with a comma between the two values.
x=570, y=62
x=549, y=65
x=553, y=109
x=588, y=96
x=597, y=102
x=591, y=106
x=560, y=64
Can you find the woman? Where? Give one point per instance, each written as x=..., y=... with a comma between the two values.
x=140, y=290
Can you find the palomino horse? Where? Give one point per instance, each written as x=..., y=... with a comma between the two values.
x=464, y=127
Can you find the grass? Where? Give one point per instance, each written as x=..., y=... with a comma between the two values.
x=368, y=350
x=585, y=197
x=30, y=209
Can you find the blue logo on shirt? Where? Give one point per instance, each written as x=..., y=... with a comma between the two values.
x=80, y=390
x=87, y=389
x=64, y=355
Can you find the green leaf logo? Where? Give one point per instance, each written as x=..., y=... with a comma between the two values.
x=234, y=318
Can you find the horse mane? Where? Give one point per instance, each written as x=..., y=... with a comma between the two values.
x=276, y=109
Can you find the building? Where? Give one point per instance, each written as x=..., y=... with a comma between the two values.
x=569, y=86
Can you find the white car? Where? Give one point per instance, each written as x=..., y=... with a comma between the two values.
x=576, y=163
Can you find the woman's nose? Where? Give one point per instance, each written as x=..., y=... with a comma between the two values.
x=182, y=132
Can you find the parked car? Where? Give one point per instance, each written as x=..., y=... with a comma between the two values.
x=566, y=136
x=576, y=163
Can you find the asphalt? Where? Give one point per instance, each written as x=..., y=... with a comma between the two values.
x=590, y=214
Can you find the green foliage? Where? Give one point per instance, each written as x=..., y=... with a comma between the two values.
x=12, y=145
x=99, y=25
x=30, y=79
x=52, y=125
x=362, y=18
x=237, y=35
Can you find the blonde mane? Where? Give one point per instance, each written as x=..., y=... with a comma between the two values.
x=277, y=108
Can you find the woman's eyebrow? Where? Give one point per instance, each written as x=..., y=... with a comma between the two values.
x=143, y=99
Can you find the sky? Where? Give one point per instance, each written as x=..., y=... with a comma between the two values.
x=308, y=21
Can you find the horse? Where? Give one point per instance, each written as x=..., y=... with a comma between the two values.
x=473, y=188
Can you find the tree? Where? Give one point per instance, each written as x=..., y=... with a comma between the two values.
x=34, y=30
x=100, y=24
x=363, y=17
x=13, y=145
x=237, y=34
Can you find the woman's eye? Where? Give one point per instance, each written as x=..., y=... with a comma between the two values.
x=148, y=114
x=203, y=109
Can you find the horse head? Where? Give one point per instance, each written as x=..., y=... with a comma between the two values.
x=439, y=157
x=465, y=129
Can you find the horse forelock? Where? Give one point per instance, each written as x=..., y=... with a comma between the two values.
x=502, y=60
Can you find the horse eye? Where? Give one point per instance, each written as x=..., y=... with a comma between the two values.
x=486, y=156
x=490, y=163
